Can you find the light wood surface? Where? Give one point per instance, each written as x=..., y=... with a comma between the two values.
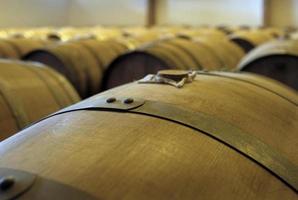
x=83, y=62
x=29, y=92
x=129, y=156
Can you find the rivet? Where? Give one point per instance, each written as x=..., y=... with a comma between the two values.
x=111, y=100
x=128, y=101
x=6, y=183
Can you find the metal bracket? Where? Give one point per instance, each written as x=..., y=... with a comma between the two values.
x=21, y=185
x=119, y=104
x=14, y=182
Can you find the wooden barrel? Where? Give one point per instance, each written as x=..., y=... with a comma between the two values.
x=40, y=33
x=75, y=62
x=275, y=32
x=83, y=62
x=277, y=60
x=203, y=141
x=225, y=29
x=248, y=40
x=202, y=55
x=104, y=51
x=30, y=91
x=228, y=53
x=18, y=47
x=172, y=53
x=52, y=36
x=7, y=50
x=100, y=33
x=142, y=34
x=202, y=32
x=228, y=30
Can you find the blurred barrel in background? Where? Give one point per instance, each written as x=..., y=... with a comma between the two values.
x=16, y=48
x=250, y=39
x=83, y=62
x=169, y=53
x=30, y=91
x=228, y=52
x=277, y=60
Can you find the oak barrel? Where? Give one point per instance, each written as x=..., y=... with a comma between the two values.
x=118, y=152
x=278, y=60
x=248, y=40
x=227, y=52
x=83, y=62
x=18, y=47
x=7, y=50
x=169, y=53
x=30, y=91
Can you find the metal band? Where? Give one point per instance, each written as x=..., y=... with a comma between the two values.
x=21, y=185
x=226, y=133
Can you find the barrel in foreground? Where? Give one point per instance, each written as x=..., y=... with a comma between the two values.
x=149, y=141
x=30, y=91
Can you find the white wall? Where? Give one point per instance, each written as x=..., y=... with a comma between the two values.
x=107, y=12
x=133, y=12
x=295, y=11
x=214, y=12
x=20, y=13
x=17, y=13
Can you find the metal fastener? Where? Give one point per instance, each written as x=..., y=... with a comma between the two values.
x=128, y=101
x=111, y=100
x=6, y=183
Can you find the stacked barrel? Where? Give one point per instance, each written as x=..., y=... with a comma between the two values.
x=194, y=49
x=189, y=123
x=29, y=92
x=94, y=59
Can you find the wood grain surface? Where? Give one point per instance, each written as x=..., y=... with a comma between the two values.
x=29, y=92
x=128, y=156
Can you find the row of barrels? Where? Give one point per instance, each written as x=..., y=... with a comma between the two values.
x=67, y=33
x=16, y=48
x=200, y=49
x=84, y=68
x=254, y=36
x=277, y=59
x=216, y=137
x=93, y=65
x=222, y=136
